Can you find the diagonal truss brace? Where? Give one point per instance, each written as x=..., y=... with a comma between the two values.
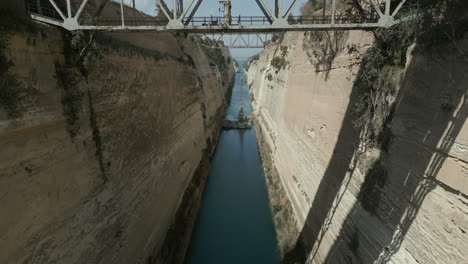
x=386, y=19
x=163, y=7
x=240, y=40
x=268, y=15
x=194, y=10
x=179, y=12
x=70, y=22
x=276, y=18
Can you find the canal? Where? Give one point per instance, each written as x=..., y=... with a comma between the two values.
x=235, y=224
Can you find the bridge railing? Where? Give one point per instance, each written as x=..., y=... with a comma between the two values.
x=236, y=20
x=46, y=12
x=241, y=21
x=130, y=21
x=348, y=19
x=196, y=21
x=261, y=20
x=61, y=13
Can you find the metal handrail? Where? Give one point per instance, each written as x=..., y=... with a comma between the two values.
x=33, y=8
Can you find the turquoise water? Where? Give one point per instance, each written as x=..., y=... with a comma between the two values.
x=235, y=224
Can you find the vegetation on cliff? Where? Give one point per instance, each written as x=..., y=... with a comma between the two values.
x=250, y=60
x=434, y=23
x=12, y=92
x=10, y=96
x=280, y=62
x=323, y=46
x=214, y=50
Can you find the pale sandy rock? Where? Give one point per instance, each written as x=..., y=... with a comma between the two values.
x=421, y=201
x=110, y=194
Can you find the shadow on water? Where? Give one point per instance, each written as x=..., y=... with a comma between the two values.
x=393, y=202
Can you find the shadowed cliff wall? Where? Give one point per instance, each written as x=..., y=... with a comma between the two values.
x=401, y=200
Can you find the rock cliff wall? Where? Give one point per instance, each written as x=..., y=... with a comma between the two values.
x=403, y=200
x=104, y=161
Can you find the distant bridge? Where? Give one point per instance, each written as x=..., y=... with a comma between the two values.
x=380, y=13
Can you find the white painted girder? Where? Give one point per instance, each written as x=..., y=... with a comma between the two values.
x=277, y=19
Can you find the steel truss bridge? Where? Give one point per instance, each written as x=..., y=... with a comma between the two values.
x=239, y=40
x=180, y=18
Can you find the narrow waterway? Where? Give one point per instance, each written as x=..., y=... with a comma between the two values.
x=235, y=224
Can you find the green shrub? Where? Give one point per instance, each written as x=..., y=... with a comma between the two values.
x=284, y=51
x=72, y=98
x=248, y=62
x=278, y=63
x=277, y=37
x=85, y=50
x=10, y=94
x=278, y=223
x=11, y=91
x=377, y=77
x=277, y=208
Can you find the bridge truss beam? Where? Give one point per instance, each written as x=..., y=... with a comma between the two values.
x=238, y=40
x=182, y=18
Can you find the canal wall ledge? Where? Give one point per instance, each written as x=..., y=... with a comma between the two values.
x=357, y=186
x=106, y=140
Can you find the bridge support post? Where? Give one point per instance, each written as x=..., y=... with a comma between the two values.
x=122, y=13
x=387, y=7
x=333, y=12
x=39, y=9
x=69, y=9
x=324, y=9
x=279, y=8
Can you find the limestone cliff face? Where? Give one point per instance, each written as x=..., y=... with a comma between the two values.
x=94, y=167
x=403, y=203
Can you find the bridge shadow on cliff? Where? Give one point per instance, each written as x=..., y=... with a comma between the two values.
x=390, y=203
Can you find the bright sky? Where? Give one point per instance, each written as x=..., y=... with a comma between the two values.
x=211, y=7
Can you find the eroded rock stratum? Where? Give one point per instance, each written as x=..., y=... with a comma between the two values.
x=369, y=178
x=103, y=158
